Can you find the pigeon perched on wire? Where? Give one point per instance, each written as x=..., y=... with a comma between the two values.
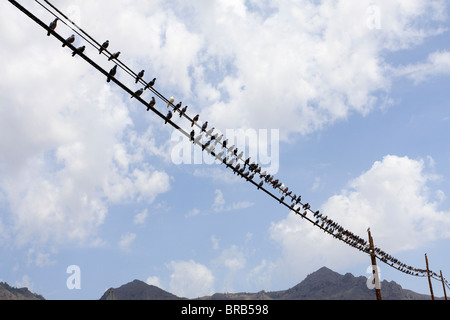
x=196, y=118
x=169, y=116
x=151, y=104
x=177, y=107
x=192, y=135
x=171, y=101
x=79, y=50
x=69, y=40
x=104, y=46
x=206, y=145
x=52, y=26
x=205, y=125
x=183, y=111
x=140, y=75
x=114, y=56
x=150, y=84
x=138, y=93
x=112, y=73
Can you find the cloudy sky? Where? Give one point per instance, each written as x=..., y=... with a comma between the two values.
x=350, y=98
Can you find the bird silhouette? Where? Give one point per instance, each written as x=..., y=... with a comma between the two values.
x=171, y=101
x=205, y=125
x=69, y=40
x=195, y=120
x=52, y=26
x=151, y=104
x=183, y=111
x=192, y=135
x=79, y=50
x=140, y=75
x=177, y=107
x=138, y=93
x=260, y=184
x=150, y=84
x=114, y=56
x=112, y=73
x=104, y=46
x=169, y=116
x=206, y=144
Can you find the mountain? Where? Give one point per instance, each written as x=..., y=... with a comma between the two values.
x=324, y=284
x=138, y=290
x=10, y=293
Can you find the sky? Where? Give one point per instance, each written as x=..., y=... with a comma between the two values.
x=345, y=102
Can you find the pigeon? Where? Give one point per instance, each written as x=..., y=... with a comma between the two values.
x=69, y=40
x=177, y=107
x=151, y=104
x=183, y=111
x=260, y=184
x=169, y=116
x=224, y=144
x=195, y=120
x=104, y=46
x=138, y=93
x=171, y=101
x=206, y=145
x=192, y=135
x=79, y=50
x=140, y=75
x=205, y=125
x=52, y=26
x=114, y=56
x=150, y=84
x=112, y=73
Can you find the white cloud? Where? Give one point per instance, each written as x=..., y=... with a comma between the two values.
x=219, y=203
x=190, y=279
x=232, y=258
x=141, y=217
x=438, y=63
x=126, y=240
x=154, y=281
x=393, y=198
x=74, y=150
x=303, y=60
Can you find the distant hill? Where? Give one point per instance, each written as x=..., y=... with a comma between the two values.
x=138, y=290
x=10, y=293
x=324, y=284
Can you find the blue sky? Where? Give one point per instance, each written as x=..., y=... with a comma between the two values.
x=356, y=90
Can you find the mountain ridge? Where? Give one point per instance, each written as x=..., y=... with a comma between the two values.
x=323, y=284
x=8, y=292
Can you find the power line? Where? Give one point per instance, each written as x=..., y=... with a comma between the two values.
x=322, y=222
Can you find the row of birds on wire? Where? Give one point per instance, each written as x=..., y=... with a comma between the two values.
x=244, y=167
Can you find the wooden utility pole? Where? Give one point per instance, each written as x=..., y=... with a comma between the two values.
x=374, y=267
x=443, y=286
x=429, y=277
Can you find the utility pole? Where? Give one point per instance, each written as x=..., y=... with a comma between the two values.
x=429, y=277
x=374, y=267
x=443, y=286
